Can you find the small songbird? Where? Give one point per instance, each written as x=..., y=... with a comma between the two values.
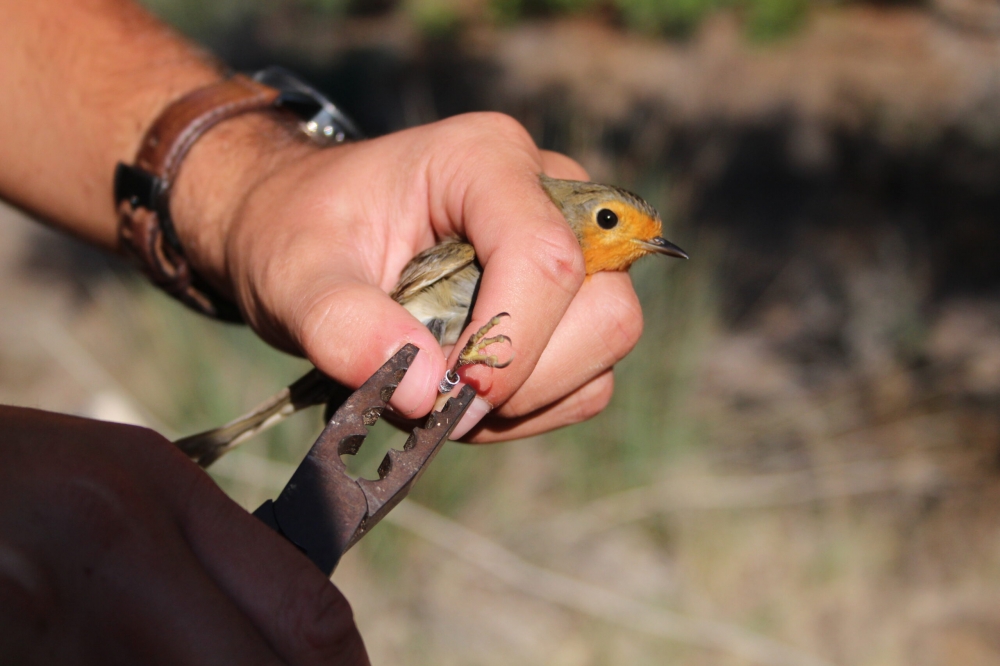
x=438, y=286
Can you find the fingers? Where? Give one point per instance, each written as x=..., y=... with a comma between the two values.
x=300, y=613
x=532, y=261
x=600, y=328
x=312, y=259
x=353, y=328
x=558, y=165
x=317, y=248
x=580, y=405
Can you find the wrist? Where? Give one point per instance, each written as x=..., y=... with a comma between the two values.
x=219, y=173
x=228, y=166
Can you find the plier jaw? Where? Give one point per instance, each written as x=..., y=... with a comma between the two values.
x=322, y=510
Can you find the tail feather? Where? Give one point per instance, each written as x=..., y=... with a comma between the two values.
x=314, y=388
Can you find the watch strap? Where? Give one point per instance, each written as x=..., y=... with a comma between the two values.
x=142, y=191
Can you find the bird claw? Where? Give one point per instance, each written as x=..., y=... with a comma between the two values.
x=489, y=360
x=472, y=353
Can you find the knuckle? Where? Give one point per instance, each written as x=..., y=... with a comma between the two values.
x=593, y=398
x=320, y=332
x=315, y=320
x=319, y=620
x=623, y=325
x=518, y=407
x=498, y=125
x=560, y=259
x=320, y=317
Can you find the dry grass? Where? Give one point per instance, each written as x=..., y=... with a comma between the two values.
x=811, y=480
x=734, y=505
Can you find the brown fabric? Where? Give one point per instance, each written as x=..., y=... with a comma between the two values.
x=141, y=232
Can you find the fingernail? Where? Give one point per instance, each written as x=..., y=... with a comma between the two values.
x=417, y=384
x=477, y=410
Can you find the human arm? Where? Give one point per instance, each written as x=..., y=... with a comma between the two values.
x=309, y=241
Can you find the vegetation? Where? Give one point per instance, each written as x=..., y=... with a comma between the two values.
x=799, y=463
x=763, y=19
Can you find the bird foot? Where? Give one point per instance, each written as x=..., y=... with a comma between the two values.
x=474, y=353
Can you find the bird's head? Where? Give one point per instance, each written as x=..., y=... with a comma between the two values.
x=615, y=227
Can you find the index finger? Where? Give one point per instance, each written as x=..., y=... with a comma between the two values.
x=532, y=263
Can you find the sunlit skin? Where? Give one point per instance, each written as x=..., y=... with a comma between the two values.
x=113, y=547
x=614, y=227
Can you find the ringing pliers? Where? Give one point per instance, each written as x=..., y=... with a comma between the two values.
x=322, y=510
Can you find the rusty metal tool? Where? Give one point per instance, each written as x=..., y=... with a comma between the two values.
x=322, y=510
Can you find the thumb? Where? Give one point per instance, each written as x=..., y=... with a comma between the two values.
x=351, y=328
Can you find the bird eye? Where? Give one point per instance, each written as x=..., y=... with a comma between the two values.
x=607, y=218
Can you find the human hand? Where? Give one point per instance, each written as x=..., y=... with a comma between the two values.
x=309, y=242
x=114, y=548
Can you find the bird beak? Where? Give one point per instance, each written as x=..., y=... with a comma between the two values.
x=661, y=245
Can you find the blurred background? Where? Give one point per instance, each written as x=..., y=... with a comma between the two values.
x=801, y=464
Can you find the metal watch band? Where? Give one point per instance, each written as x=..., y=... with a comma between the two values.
x=142, y=191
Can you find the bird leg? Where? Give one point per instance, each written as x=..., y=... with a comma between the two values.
x=473, y=353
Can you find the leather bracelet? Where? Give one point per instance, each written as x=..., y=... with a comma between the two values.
x=142, y=191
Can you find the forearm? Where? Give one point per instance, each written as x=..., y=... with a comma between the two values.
x=308, y=242
x=80, y=82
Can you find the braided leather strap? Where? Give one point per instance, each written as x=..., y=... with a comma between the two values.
x=142, y=192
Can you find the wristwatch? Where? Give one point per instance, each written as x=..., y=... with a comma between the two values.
x=142, y=190
x=321, y=120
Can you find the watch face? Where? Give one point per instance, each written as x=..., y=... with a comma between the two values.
x=321, y=120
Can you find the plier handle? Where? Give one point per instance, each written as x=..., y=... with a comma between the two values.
x=322, y=510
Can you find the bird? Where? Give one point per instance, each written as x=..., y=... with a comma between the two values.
x=614, y=227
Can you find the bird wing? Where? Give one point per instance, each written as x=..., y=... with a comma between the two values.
x=433, y=264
